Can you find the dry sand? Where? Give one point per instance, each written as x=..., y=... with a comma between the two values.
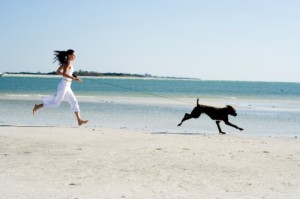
x=62, y=162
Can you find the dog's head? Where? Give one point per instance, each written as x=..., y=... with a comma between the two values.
x=231, y=110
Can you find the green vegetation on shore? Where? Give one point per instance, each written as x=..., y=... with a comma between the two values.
x=98, y=74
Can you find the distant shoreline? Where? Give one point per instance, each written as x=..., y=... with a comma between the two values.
x=134, y=76
x=97, y=74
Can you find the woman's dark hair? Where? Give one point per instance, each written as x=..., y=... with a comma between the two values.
x=62, y=56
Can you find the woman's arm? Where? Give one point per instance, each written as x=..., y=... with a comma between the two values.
x=62, y=70
x=58, y=71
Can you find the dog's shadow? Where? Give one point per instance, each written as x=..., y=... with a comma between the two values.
x=173, y=133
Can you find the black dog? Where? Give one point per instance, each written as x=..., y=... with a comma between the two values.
x=218, y=114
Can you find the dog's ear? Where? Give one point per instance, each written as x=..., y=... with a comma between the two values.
x=231, y=110
x=228, y=106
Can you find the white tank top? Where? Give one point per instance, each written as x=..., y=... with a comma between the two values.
x=69, y=72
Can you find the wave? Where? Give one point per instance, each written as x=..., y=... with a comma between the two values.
x=18, y=95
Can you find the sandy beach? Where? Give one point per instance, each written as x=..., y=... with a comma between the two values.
x=71, y=162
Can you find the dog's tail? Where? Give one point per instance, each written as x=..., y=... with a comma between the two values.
x=198, y=102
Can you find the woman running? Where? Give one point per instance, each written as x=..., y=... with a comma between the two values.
x=65, y=59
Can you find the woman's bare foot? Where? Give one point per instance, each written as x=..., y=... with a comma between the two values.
x=36, y=107
x=80, y=122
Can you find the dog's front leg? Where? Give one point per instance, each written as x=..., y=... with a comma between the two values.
x=220, y=131
x=235, y=126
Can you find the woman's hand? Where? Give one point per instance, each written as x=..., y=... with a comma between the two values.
x=78, y=80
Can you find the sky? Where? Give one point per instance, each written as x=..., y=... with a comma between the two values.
x=246, y=40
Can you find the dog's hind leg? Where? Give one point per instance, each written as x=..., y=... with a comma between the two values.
x=220, y=131
x=186, y=117
x=194, y=114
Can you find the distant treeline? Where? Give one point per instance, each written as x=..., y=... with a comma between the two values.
x=85, y=73
x=30, y=73
x=97, y=74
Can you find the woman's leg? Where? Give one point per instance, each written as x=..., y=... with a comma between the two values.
x=79, y=120
x=70, y=97
x=53, y=101
x=36, y=107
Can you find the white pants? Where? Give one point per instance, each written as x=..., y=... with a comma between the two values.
x=63, y=91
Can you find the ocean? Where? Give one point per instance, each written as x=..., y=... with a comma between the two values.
x=155, y=105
